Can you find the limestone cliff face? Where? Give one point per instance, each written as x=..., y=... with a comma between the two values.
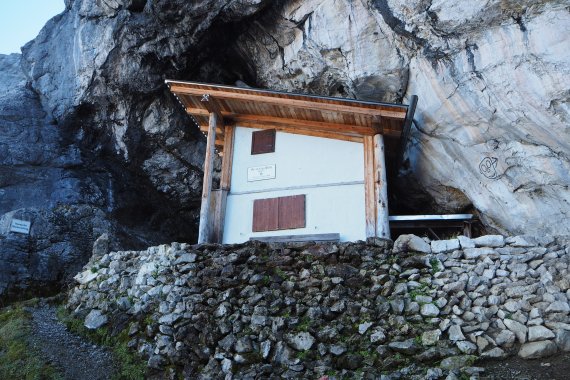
x=492, y=125
x=492, y=119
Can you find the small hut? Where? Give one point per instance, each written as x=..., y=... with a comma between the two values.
x=294, y=167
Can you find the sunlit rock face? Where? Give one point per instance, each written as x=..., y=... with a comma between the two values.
x=493, y=117
x=492, y=120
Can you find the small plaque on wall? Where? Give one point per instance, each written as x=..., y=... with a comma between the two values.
x=260, y=173
x=20, y=226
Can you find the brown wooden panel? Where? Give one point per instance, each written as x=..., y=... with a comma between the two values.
x=265, y=215
x=369, y=183
x=292, y=212
x=263, y=141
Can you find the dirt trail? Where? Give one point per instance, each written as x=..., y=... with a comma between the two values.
x=514, y=368
x=72, y=355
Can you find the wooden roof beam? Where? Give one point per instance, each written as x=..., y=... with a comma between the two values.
x=288, y=101
x=212, y=106
x=239, y=119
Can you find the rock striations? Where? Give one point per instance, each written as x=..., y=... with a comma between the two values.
x=307, y=310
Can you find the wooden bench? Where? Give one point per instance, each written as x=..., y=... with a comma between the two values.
x=429, y=222
x=319, y=238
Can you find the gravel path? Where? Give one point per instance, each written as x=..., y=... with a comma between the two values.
x=74, y=357
x=514, y=368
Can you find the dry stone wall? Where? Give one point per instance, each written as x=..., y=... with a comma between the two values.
x=419, y=309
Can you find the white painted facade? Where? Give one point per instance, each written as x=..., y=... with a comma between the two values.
x=329, y=172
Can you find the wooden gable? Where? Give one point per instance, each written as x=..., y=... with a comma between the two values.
x=328, y=117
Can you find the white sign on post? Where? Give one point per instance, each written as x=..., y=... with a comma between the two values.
x=20, y=226
x=260, y=173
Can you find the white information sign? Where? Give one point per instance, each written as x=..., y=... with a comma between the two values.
x=20, y=226
x=260, y=173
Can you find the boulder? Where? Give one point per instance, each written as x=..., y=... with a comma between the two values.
x=302, y=341
x=536, y=350
x=517, y=328
x=441, y=246
x=95, y=319
x=411, y=243
x=536, y=333
x=493, y=241
x=563, y=340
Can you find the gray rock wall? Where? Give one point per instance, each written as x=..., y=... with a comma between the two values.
x=306, y=310
x=492, y=118
x=69, y=194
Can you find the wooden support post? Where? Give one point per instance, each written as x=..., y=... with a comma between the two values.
x=381, y=189
x=204, y=229
x=369, y=186
x=225, y=182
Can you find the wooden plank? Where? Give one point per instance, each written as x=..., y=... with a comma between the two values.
x=206, y=128
x=219, y=213
x=292, y=212
x=293, y=101
x=369, y=186
x=226, y=175
x=225, y=180
x=332, y=237
x=265, y=215
x=214, y=211
x=212, y=106
x=204, y=227
x=381, y=189
x=291, y=122
x=208, y=87
x=304, y=132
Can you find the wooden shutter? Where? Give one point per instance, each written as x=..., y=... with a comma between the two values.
x=265, y=215
x=282, y=213
x=263, y=141
x=292, y=212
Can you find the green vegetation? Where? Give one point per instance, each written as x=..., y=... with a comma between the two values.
x=131, y=367
x=18, y=360
x=279, y=272
x=304, y=324
x=418, y=340
x=435, y=265
x=301, y=355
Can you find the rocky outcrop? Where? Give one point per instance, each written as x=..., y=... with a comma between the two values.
x=308, y=310
x=93, y=125
x=69, y=195
x=41, y=181
x=492, y=119
x=491, y=125
x=100, y=68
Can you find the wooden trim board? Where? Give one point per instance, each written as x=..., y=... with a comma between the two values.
x=332, y=237
x=204, y=227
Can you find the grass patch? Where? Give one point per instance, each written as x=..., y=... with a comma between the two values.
x=303, y=325
x=18, y=360
x=131, y=366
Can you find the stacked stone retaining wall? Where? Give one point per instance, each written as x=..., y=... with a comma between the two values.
x=419, y=309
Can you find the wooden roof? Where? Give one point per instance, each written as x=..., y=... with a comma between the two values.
x=337, y=118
